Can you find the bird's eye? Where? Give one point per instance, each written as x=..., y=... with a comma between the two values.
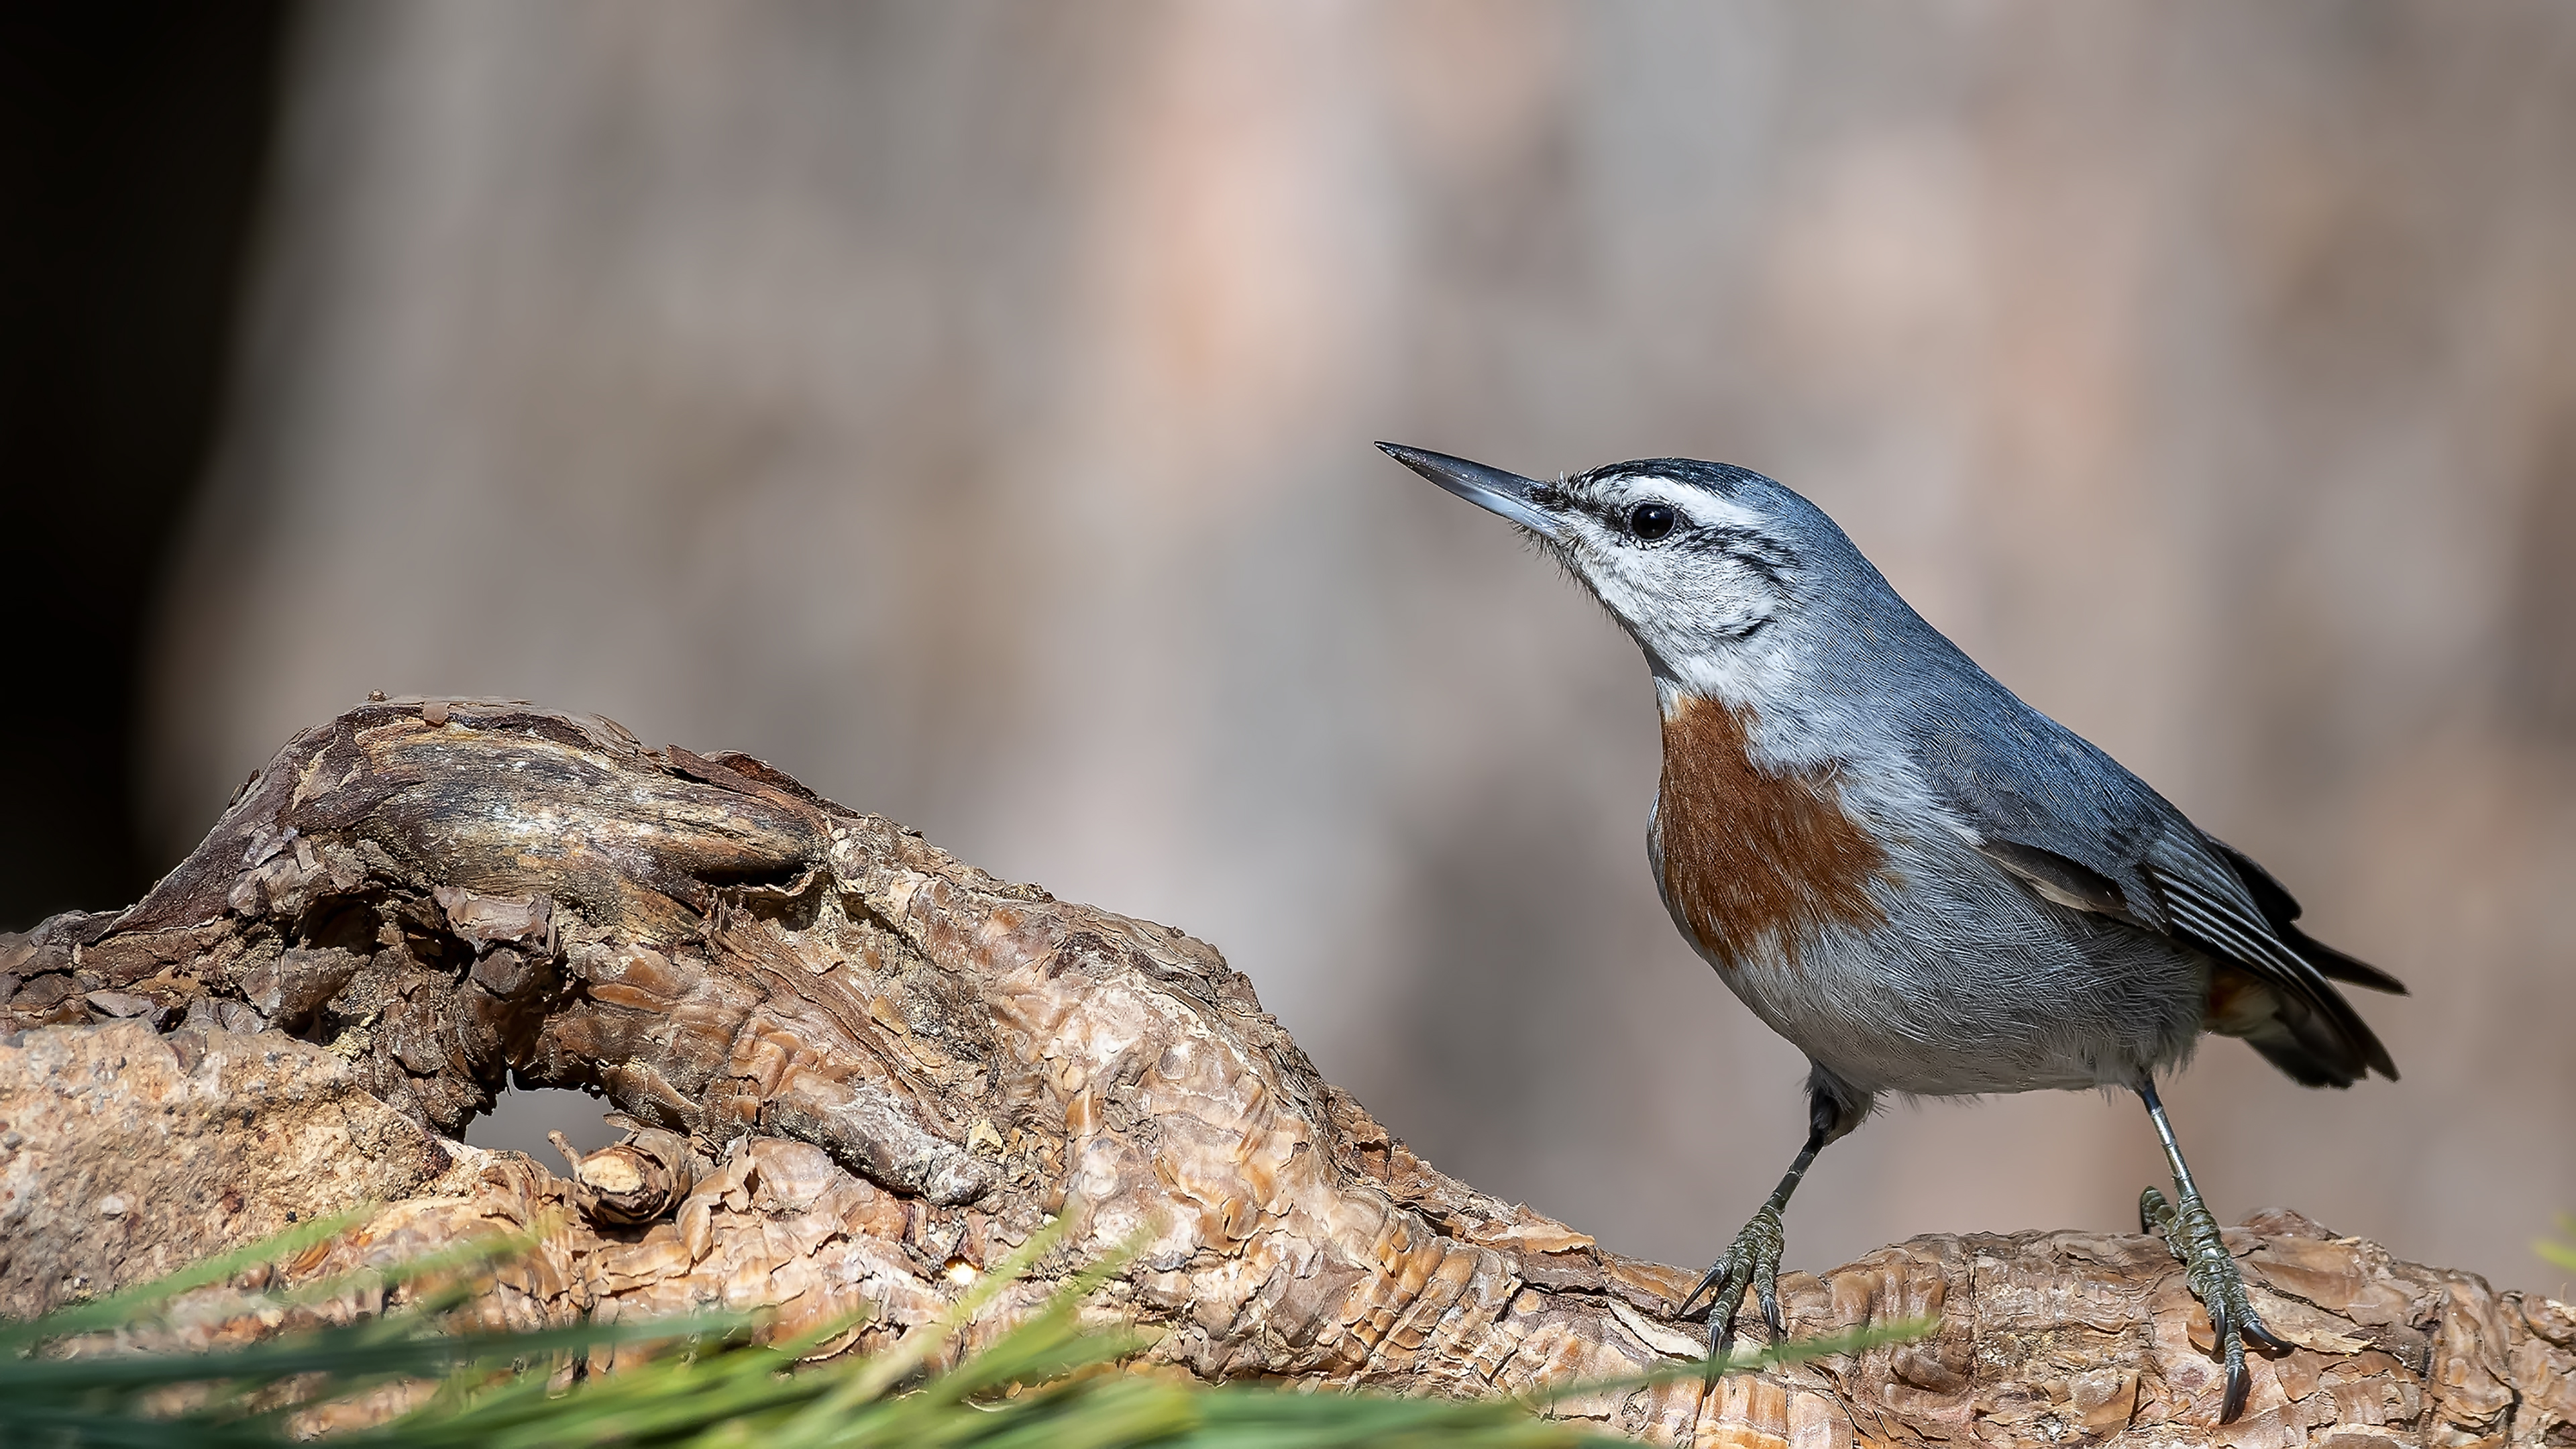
x=1651, y=521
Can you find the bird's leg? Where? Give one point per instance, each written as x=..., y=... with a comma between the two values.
x=2192, y=1236
x=1753, y=1259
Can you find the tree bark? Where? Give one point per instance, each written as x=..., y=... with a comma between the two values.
x=856, y=1070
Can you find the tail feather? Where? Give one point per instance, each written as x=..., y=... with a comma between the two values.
x=2333, y=963
x=2314, y=1048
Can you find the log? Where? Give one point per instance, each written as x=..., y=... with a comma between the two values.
x=853, y=1071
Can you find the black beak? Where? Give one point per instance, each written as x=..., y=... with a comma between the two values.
x=1492, y=489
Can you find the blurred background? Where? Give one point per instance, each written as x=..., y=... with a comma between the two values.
x=967, y=407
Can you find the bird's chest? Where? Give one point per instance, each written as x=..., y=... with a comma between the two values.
x=1755, y=864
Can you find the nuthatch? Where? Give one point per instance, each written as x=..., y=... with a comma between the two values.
x=1926, y=885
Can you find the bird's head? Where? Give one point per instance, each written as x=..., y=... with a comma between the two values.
x=1726, y=579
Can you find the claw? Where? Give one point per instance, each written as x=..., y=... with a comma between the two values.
x=1721, y=1313
x=1715, y=1275
x=1751, y=1261
x=2254, y=1328
x=2192, y=1236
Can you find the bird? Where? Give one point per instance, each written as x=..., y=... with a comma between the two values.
x=1923, y=883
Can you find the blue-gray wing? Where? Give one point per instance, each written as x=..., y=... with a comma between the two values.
x=2085, y=833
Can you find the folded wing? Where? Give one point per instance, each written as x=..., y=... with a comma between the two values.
x=2082, y=831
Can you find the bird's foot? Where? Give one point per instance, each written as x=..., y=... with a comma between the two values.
x=1752, y=1261
x=2192, y=1235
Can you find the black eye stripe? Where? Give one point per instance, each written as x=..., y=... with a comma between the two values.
x=1764, y=554
x=1757, y=551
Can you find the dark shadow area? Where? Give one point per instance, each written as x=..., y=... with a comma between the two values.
x=133, y=138
x=522, y=1116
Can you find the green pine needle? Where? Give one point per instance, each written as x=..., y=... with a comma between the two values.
x=1046, y=1381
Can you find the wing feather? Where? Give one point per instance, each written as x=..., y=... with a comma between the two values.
x=2215, y=909
x=2281, y=909
x=2067, y=882
x=2067, y=819
x=2200, y=900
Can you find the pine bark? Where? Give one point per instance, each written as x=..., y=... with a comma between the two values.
x=855, y=1071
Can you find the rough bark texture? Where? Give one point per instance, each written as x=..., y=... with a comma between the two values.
x=857, y=1069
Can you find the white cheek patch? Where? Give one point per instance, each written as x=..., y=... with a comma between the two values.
x=1715, y=592
x=1695, y=608
x=1679, y=602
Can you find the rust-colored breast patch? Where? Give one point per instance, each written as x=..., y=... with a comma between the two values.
x=1748, y=853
